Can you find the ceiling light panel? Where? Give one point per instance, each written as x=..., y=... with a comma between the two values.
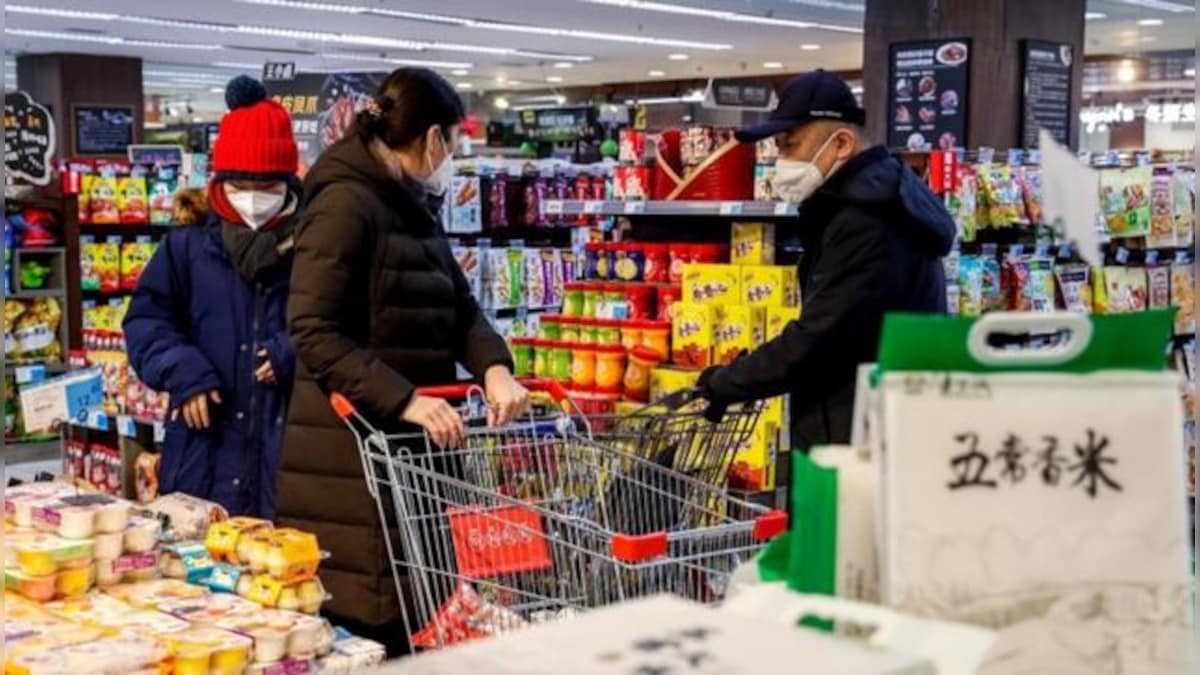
x=1161, y=5
x=832, y=4
x=721, y=15
x=108, y=39
x=319, y=36
x=459, y=66
x=60, y=13
x=486, y=24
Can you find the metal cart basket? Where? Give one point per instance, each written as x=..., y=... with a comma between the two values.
x=536, y=520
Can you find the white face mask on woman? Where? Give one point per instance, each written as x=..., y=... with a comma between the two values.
x=256, y=207
x=438, y=180
x=796, y=180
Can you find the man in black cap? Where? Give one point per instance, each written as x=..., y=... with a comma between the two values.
x=873, y=238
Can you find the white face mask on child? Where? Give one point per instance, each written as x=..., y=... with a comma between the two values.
x=256, y=207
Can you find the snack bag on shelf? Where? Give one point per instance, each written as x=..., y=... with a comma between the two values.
x=135, y=255
x=466, y=205
x=84, y=198
x=552, y=278
x=970, y=285
x=1031, y=193
x=736, y=329
x=497, y=278
x=1075, y=287
x=534, y=284
x=34, y=329
x=107, y=265
x=1125, y=200
x=89, y=256
x=1002, y=196
x=516, y=275
x=1162, y=211
x=1183, y=195
x=1158, y=278
x=1127, y=289
x=132, y=201
x=103, y=200
x=1183, y=284
x=162, y=197
x=469, y=259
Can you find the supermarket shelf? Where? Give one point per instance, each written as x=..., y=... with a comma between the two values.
x=750, y=209
x=39, y=293
x=125, y=425
x=49, y=368
x=18, y=451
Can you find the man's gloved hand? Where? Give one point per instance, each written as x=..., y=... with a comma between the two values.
x=716, y=403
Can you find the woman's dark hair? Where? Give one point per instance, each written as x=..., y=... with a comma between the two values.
x=410, y=101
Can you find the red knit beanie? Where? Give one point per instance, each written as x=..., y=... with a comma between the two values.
x=255, y=140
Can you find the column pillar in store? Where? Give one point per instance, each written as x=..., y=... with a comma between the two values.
x=992, y=109
x=96, y=100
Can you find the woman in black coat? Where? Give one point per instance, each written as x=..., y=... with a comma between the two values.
x=378, y=308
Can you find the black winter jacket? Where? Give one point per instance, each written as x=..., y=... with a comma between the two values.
x=378, y=306
x=873, y=237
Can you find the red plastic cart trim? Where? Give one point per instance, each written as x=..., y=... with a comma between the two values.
x=770, y=525
x=342, y=406
x=636, y=548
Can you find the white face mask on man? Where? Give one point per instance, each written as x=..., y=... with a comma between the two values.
x=256, y=207
x=796, y=180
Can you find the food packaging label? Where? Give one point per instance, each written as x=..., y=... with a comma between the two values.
x=770, y=286
x=712, y=284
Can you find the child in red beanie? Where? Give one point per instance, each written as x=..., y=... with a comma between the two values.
x=207, y=322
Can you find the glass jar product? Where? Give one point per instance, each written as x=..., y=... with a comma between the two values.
x=573, y=299
x=583, y=366
x=522, y=353
x=657, y=336
x=609, y=368
x=637, y=374
x=615, y=304
x=560, y=361
x=631, y=334
x=667, y=297
x=604, y=262
x=657, y=266
x=593, y=250
x=549, y=327
x=541, y=359
x=640, y=299
x=568, y=328
x=591, y=299
x=587, y=331
x=608, y=331
x=679, y=254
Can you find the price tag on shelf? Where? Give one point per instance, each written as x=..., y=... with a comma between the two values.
x=781, y=208
x=30, y=374
x=96, y=420
x=593, y=206
x=160, y=432
x=633, y=208
x=552, y=207
x=731, y=208
x=126, y=426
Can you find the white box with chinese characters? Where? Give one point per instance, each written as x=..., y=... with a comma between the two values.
x=1040, y=491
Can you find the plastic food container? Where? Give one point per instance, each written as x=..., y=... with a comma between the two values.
x=549, y=328
x=115, y=654
x=522, y=353
x=568, y=328
x=583, y=366
x=541, y=358
x=142, y=534
x=637, y=374
x=560, y=361
x=38, y=589
x=223, y=539
x=640, y=301
x=210, y=608
x=81, y=516
x=615, y=303
x=592, y=295
x=128, y=568
x=587, y=331
x=277, y=634
x=293, y=555
x=657, y=267
x=306, y=596
x=679, y=254
x=40, y=553
x=259, y=548
x=609, y=369
x=109, y=546
x=608, y=332
x=189, y=561
x=187, y=517
x=20, y=500
x=95, y=608
x=572, y=299
x=154, y=594
x=657, y=336
x=592, y=251
x=631, y=334
x=667, y=297
x=203, y=650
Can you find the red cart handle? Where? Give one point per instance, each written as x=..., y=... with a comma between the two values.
x=345, y=409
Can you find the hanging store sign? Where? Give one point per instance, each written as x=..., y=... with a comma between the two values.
x=323, y=107
x=29, y=140
x=928, y=88
x=102, y=130
x=739, y=94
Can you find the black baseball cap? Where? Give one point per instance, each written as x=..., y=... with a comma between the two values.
x=817, y=95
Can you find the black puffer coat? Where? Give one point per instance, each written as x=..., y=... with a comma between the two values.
x=874, y=236
x=378, y=306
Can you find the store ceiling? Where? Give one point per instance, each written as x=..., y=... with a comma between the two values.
x=192, y=46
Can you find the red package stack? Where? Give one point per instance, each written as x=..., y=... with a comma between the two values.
x=721, y=172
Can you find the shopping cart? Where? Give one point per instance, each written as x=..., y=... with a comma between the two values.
x=536, y=520
x=683, y=432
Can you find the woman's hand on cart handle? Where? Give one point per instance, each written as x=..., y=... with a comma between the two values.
x=507, y=399
x=437, y=417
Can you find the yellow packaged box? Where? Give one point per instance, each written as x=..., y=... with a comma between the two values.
x=712, y=284
x=692, y=335
x=737, y=328
x=754, y=464
x=772, y=412
x=224, y=539
x=770, y=286
x=753, y=244
x=777, y=318
x=665, y=381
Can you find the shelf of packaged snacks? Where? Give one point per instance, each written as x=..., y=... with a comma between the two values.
x=752, y=209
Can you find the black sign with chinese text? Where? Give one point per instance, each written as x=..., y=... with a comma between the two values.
x=100, y=130
x=740, y=94
x=927, y=93
x=323, y=107
x=29, y=140
x=280, y=72
x=1045, y=91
